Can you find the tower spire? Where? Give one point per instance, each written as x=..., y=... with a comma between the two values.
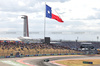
x=26, y=31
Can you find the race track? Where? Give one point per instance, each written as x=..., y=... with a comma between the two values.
x=39, y=61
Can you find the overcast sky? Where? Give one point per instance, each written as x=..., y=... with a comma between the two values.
x=81, y=18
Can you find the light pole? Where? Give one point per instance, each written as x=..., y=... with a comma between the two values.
x=97, y=38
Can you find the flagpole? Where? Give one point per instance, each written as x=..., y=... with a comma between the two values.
x=45, y=22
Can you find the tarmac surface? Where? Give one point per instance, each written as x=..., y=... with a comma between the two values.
x=39, y=61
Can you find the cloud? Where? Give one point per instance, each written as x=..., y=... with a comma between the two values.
x=96, y=9
x=53, y=0
x=20, y=6
x=78, y=15
x=24, y=5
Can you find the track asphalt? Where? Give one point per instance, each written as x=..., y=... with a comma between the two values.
x=39, y=61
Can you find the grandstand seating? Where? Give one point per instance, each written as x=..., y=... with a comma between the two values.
x=6, y=49
x=74, y=44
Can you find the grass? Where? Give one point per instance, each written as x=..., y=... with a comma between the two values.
x=79, y=62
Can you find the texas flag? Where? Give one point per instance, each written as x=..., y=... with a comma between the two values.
x=49, y=14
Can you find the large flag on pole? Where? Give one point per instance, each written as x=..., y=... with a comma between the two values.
x=49, y=14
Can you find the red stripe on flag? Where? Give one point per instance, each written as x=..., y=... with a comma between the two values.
x=57, y=18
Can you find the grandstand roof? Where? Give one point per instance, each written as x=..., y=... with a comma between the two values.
x=24, y=38
x=86, y=43
x=10, y=39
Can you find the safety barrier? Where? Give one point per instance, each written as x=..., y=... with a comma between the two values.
x=7, y=56
x=2, y=56
x=87, y=62
x=12, y=56
x=39, y=54
x=46, y=55
x=17, y=55
x=31, y=55
x=27, y=55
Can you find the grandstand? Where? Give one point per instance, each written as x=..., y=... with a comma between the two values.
x=74, y=44
x=14, y=48
x=7, y=48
